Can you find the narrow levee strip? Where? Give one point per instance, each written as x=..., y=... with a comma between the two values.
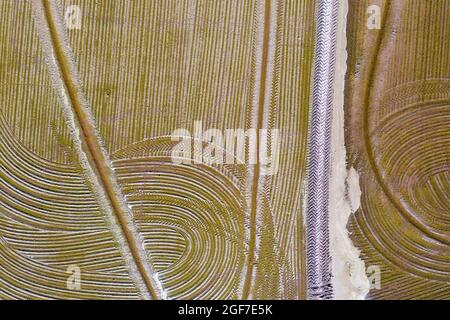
x=259, y=124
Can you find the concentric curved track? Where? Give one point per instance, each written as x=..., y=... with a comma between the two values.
x=399, y=140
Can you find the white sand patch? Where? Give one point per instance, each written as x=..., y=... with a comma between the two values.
x=349, y=277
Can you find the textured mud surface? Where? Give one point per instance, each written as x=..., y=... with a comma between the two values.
x=93, y=205
x=397, y=105
x=140, y=225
